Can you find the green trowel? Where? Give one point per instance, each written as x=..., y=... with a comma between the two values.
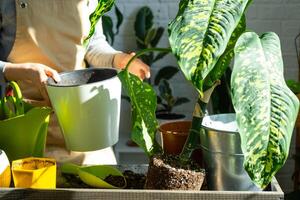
x=94, y=175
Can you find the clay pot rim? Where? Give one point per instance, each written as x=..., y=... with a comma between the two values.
x=174, y=133
x=180, y=133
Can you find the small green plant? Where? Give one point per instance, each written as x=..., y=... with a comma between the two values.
x=148, y=36
x=109, y=29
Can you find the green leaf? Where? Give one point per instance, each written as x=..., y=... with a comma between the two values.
x=102, y=7
x=160, y=56
x=266, y=109
x=149, y=37
x=107, y=25
x=200, y=33
x=143, y=103
x=119, y=19
x=165, y=90
x=157, y=37
x=226, y=58
x=294, y=86
x=143, y=22
x=166, y=72
x=181, y=100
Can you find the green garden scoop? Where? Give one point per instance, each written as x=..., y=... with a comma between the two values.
x=94, y=175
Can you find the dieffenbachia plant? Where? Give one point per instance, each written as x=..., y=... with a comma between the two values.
x=202, y=32
x=202, y=37
x=265, y=107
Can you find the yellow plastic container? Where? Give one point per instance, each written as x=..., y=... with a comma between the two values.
x=5, y=173
x=38, y=173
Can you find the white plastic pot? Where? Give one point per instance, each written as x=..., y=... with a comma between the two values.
x=87, y=105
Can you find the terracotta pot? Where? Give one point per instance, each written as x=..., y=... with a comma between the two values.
x=174, y=135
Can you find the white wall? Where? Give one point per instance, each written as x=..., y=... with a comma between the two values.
x=280, y=16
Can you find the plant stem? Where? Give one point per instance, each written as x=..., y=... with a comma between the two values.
x=193, y=139
x=142, y=52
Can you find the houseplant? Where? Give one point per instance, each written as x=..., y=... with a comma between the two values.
x=202, y=37
x=109, y=29
x=148, y=36
x=147, y=121
x=203, y=59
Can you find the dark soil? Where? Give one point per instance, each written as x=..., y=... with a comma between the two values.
x=117, y=181
x=134, y=180
x=165, y=172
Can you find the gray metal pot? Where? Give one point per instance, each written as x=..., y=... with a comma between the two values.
x=87, y=105
x=223, y=157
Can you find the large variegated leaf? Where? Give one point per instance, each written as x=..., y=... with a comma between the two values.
x=265, y=107
x=143, y=104
x=225, y=59
x=102, y=7
x=200, y=33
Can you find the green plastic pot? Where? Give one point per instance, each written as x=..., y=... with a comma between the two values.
x=25, y=135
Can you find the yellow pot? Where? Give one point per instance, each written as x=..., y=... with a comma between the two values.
x=34, y=173
x=5, y=173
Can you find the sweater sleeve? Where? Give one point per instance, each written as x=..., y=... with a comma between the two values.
x=2, y=79
x=99, y=52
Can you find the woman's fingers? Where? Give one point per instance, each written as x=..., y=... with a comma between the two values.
x=141, y=69
x=52, y=73
x=36, y=102
x=137, y=67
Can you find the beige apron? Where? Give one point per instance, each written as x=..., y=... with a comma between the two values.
x=51, y=32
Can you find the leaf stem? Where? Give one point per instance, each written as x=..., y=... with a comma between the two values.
x=142, y=52
x=193, y=140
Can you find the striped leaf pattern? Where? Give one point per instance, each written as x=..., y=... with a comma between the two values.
x=143, y=104
x=265, y=107
x=102, y=7
x=200, y=33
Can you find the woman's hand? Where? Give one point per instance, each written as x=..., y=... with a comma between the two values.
x=137, y=67
x=34, y=72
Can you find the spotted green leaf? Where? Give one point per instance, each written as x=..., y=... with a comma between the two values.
x=143, y=104
x=200, y=33
x=102, y=7
x=265, y=107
